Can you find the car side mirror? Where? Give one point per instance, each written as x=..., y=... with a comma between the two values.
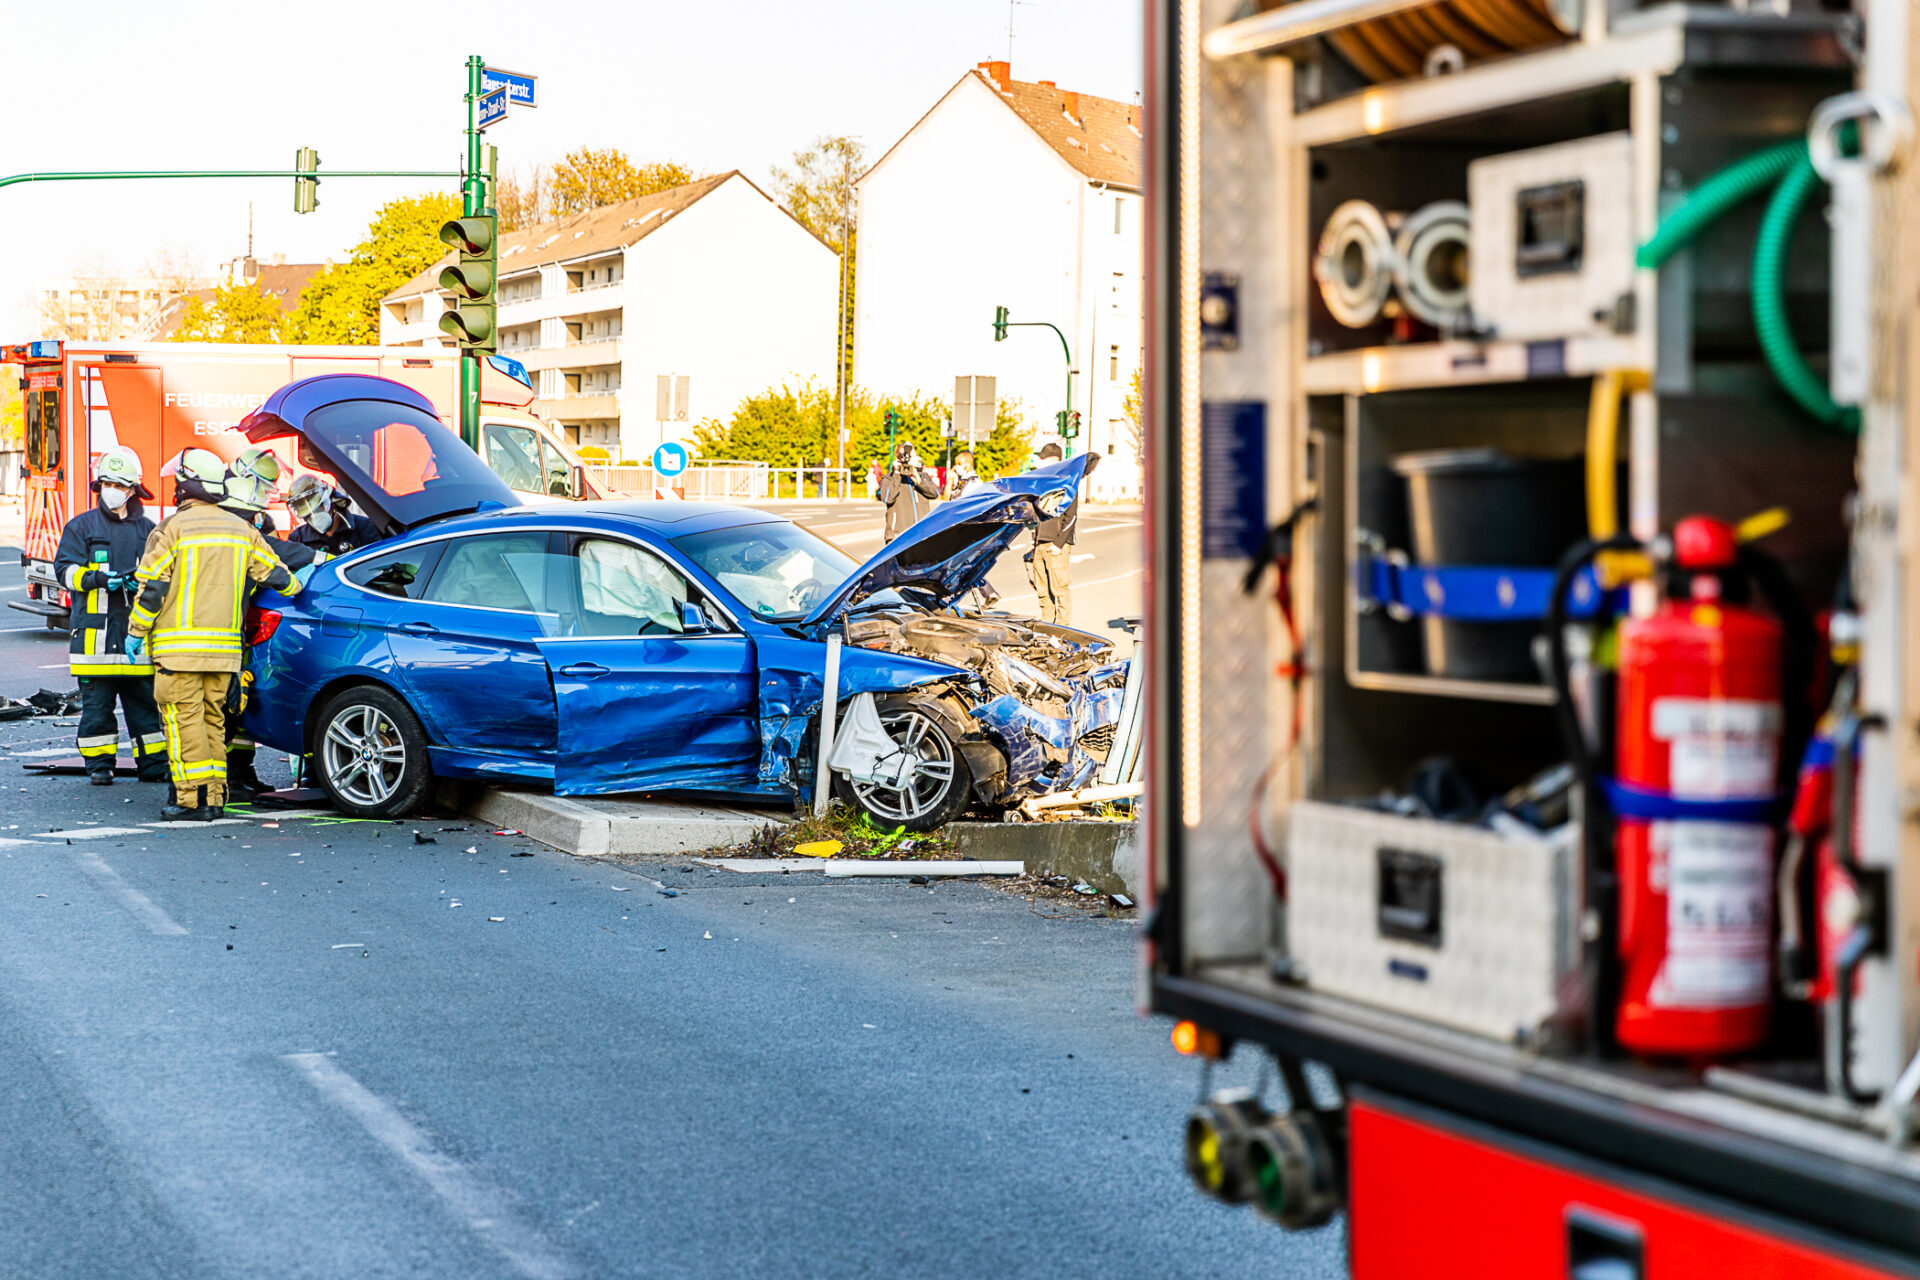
x=693, y=620
x=579, y=482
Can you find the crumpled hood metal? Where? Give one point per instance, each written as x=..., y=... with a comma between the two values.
x=951, y=551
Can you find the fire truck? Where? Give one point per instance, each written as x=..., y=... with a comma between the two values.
x=163, y=397
x=1534, y=784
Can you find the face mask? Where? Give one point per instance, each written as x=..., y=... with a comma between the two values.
x=113, y=498
x=321, y=520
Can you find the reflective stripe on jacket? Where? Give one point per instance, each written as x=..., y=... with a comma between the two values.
x=94, y=546
x=194, y=587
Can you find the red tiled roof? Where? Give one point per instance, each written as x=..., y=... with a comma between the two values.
x=1097, y=136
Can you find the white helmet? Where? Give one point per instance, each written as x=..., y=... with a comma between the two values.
x=122, y=466
x=310, y=494
x=197, y=473
x=250, y=480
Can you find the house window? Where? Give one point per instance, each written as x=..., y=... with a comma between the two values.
x=1113, y=364
x=1118, y=206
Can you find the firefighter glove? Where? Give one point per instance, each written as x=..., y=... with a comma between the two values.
x=134, y=645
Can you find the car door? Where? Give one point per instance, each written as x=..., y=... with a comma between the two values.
x=467, y=651
x=645, y=702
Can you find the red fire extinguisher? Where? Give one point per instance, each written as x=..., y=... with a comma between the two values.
x=1696, y=772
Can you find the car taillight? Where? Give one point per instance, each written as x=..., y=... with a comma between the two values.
x=261, y=624
x=66, y=600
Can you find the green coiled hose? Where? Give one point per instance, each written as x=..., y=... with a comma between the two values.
x=1788, y=169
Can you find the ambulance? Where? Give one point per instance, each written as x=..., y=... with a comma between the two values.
x=159, y=398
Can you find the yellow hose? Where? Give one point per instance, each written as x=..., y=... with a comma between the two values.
x=1603, y=471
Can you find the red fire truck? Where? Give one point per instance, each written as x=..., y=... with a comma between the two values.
x=160, y=398
x=1532, y=789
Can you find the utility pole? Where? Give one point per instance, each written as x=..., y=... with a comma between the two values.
x=842, y=328
x=473, y=205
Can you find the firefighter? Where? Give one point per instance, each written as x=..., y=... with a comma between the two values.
x=1050, y=562
x=99, y=550
x=327, y=525
x=192, y=583
x=250, y=487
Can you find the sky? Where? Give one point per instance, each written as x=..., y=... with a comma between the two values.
x=188, y=84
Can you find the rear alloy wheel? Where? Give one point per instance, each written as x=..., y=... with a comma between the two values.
x=935, y=789
x=371, y=754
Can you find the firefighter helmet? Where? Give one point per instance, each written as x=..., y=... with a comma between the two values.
x=121, y=465
x=250, y=480
x=310, y=494
x=197, y=474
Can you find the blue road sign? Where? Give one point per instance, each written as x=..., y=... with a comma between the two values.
x=522, y=89
x=493, y=107
x=670, y=459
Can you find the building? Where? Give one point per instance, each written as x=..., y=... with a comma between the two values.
x=108, y=308
x=1016, y=195
x=710, y=282
x=279, y=279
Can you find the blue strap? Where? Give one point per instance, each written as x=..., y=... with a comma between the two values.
x=1476, y=593
x=1629, y=801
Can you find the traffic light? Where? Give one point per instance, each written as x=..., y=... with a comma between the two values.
x=1070, y=424
x=306, y=191
x=472, y=321
x=999, y=324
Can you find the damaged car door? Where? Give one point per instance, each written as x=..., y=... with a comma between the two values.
x=654, y=682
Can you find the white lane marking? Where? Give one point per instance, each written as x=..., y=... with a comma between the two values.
x=52, y=666
x=43, y=751
x=1081, y=558
x=342, y=946
x=1102, y=528
x=137, y=903
x=194, y=822
x=485, y=1209
x=88, y=833
x=8, y=843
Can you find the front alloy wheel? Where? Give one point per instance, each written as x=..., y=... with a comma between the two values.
x=934, y=780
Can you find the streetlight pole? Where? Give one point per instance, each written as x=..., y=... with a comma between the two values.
x=1000, y=328
x=840, y=327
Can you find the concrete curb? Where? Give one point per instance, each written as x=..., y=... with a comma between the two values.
x=1106, y=855
x=593, y=828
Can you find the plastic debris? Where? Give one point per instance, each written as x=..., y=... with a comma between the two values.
x=472, y=848
x=1085, y=888
x=522, y=854
x=669, y=893
x=1122, y=900
x=420, y=839
x=506, y=832
x=498, y=919
x=818, y=848
x=708, y=935
x=617, y=888
x=917, y=880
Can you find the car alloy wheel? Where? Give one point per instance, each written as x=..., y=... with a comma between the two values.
x=926, y=797
x=364, y=755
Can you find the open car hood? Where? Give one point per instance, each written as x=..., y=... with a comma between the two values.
x=384, y=444
x=952, y=550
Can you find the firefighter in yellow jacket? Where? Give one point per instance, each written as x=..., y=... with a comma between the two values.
x=193, y=589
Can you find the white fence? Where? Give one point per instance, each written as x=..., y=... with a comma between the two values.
x=724, y=480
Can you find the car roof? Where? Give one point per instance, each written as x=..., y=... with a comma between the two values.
x=663, y=518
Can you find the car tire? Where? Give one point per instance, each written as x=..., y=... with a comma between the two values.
x=942, y=785
x=370, y=754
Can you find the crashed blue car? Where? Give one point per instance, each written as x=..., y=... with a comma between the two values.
x=654, y=646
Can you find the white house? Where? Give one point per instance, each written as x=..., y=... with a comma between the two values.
x=710, y=281
x=1016, y=195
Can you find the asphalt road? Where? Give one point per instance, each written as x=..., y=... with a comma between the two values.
x=1106, y=560
x=318, y=1048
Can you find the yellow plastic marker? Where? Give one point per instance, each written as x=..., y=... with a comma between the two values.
x=818, y=849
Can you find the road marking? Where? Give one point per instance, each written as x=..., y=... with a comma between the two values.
x=1102, y=528
x=486, y=1210
x=1081, y=558
x=137, y=903
x=87, y=833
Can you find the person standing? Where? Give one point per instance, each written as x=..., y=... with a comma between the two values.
x=193, y=581
x=99, y=550
x=961, y=474
x=907, y=490
x=1050, y=563
x=251, y=483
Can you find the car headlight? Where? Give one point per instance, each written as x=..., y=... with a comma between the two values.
x=1052, y=504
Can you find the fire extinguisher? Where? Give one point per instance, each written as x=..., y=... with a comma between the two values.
x=1697, y=739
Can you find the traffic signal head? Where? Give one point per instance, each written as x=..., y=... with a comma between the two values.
x=1071, y=427
x=306, y=191
x=471, y=278
x=999, y=324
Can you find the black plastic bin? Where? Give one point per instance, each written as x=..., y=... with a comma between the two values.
x=1482, y=507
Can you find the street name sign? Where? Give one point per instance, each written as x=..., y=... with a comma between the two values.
x=522, y=89
x=493, y=107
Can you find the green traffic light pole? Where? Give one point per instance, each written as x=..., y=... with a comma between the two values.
x=126, y=174
x=474, y=192
x=1000, y=328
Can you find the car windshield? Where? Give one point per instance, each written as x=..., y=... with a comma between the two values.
x=777, y=570
x=411, y=465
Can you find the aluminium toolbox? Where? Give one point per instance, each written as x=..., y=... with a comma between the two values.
x=1455, y=924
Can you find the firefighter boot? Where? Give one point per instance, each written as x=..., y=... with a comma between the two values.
x=242, y=782
x=100, y=775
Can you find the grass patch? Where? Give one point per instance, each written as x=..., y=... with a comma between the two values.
x=857, y=834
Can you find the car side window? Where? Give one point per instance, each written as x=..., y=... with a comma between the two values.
x=504, y=571
x=626, y=591
x=402, y=574
x=560, y=483
x=514, y=455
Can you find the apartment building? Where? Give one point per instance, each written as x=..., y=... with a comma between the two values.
x=1022, y=195
x=709, y=281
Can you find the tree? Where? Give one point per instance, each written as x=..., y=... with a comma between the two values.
x=239, y=313
x=789, y=426
x=519, y=204
x=818, y=192
x=1133, y=407
x=13, y=414
x=341, y=304
x=590, y=179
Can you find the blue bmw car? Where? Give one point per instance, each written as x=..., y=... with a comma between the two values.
x=655, y=646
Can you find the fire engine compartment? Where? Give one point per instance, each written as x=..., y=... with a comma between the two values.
x=1314, y=413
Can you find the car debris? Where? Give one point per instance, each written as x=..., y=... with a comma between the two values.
x=818, y=848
